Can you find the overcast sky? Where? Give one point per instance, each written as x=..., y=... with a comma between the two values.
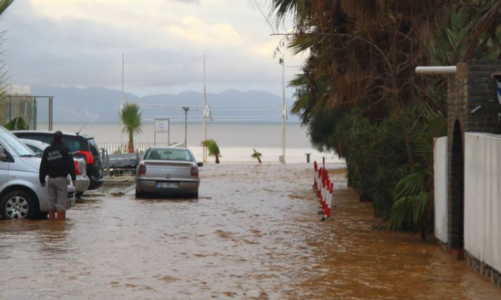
x=80, y=43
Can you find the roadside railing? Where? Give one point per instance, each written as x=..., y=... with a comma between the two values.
x=119, y=148
x=119, y=165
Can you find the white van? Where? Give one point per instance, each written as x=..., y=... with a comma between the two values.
x=21, y=195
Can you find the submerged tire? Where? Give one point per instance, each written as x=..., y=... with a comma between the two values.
x=41, y=216
x=79, y=195
x=18, y=205
x=139, y=194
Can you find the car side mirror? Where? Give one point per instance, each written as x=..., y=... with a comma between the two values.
x=200, y=164
x=3, y=155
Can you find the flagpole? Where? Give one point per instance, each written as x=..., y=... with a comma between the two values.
x=122, y=100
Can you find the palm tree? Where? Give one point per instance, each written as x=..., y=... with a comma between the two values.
x=4, y=4
x=213, y=149
x=131, y=121
x=17, y=124
x=257, y=155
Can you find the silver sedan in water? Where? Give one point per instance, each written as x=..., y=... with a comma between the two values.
x=167, y=171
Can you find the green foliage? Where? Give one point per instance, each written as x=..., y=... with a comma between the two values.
x=375, y=155
x=256, y=154
x=131, y=120
x=413, y=193
x=213, y=149
x=358, y=93
x=411, y=200
x=4, y=5
x=17, y=124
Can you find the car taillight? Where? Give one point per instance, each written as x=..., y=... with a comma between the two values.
x=194, y=171
x=77, y=168
x=89, y=159
x=142, y=169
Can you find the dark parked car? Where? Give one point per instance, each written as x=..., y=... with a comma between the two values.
x=81, y=145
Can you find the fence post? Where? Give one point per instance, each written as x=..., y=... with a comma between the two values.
x=107, y=163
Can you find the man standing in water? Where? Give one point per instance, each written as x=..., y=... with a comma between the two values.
x=57, y=163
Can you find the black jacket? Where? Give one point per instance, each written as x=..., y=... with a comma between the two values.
x=57, y=161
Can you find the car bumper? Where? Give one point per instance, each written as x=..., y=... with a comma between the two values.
x=96, y=183
x=82, y=184
x=150, y=186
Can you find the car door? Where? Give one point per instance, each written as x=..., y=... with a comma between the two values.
x=4, y=168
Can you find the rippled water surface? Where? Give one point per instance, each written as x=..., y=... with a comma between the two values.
x=254, y=233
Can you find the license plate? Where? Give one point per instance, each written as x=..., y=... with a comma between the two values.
x=167, y=185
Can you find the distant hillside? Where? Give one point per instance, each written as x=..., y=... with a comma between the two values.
x=102, y=105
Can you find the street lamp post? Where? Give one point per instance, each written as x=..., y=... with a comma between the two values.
x=186, y=109
x=284, y=109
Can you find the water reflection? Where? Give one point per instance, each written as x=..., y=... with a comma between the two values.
x=52, y=238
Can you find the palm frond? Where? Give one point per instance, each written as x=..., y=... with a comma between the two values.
x=256, y=154
x=212, y=147
x=131, y=118
x=411, y=199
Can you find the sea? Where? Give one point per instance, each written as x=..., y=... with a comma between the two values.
x=236, y=140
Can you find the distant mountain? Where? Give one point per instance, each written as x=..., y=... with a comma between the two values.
x=102, y=105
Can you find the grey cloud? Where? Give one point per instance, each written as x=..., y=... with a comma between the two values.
x=84, y=53
x=189, y=1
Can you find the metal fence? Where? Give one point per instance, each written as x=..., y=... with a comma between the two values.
x=35, y=110
x=118, y=148
x=117, y=165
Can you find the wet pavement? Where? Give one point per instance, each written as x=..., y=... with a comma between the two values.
x=254, y=233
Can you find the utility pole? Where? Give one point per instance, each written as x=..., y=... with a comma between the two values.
x=284, y=109
x=186, y=109
x=205, y=118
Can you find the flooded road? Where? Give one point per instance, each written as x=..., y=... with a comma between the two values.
x=254, y=233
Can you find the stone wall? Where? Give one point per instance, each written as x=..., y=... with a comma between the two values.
x=493, y=275
x=482, y=93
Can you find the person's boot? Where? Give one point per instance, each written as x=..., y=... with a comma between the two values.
x=61, y=216
x=52, y=215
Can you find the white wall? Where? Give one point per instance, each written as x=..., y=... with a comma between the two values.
x=441, y=188
x=483, y=197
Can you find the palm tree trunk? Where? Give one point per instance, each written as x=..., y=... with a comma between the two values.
x=217, y=158
x=259, y=159
x=131, y=141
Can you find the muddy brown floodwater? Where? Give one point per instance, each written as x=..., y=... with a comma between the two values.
x=254, y=233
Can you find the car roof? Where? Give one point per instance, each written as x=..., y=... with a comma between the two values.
x=52, y=132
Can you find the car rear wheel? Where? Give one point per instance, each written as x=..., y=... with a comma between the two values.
x=18, y=205
x=79, y=195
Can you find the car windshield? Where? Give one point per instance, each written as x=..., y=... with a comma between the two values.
x=11, y=142
x=169, y=154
